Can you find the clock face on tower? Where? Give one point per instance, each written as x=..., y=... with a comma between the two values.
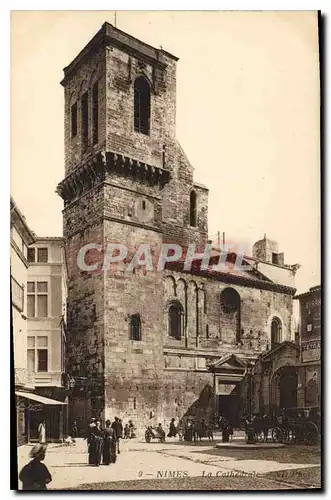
x=144, y=210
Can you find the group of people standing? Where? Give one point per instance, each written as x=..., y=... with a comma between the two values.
x=104, y=443
x=194, y=430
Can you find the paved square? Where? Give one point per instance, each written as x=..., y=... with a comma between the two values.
x=165, y=462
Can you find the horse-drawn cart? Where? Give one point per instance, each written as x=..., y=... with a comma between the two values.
x=301, y=426
x=154, y=433
x=295, y=426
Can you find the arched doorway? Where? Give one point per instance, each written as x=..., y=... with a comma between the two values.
x=284, y=388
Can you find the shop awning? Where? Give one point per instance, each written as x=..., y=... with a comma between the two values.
x=40, y=399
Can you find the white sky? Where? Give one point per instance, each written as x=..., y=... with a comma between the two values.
x=247, y=117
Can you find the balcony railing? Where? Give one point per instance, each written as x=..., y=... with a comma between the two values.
x=24, y=378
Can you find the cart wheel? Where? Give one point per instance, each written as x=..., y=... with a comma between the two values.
x=277, y=435
x=311, y=433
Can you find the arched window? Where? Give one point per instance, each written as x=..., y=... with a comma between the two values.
x=276, y=332
x=230, y=306
x=142, y=105
x=175, y=320
x=135, y=327
x=193, y=208
x=230, y=301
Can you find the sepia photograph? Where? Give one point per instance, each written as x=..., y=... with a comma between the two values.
x=165, y=250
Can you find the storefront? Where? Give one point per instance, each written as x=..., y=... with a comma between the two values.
x=310, y=347
x=39, y=408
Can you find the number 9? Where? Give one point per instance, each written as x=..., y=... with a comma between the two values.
x=140, y=473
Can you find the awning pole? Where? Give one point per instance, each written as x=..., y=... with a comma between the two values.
x=28, y=420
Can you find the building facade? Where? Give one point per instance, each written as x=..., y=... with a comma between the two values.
x=21, y=237
x=38, y=297
x=309, y=365
x=289, y=375
x=46, y=341
x=170, y=342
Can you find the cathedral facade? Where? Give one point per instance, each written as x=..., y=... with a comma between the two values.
x=158, y=343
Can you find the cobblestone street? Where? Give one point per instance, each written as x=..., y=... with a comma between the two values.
x=173, y=465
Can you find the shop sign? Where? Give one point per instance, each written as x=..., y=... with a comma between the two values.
x=311, y=351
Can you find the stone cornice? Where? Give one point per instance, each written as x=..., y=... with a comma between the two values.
x=94, y=171
x=18, y=219
x=232, y=278
x=108, y=35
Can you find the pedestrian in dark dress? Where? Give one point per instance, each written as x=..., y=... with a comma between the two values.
x=89, y=437
x=74, y=431
x=161, y=432
x=225, y=431
x=109, y=445
x=132, y=429
x=172, y=429
x=35, y=475
x=118, y=428
x=96, y=443
x=188, y=435
x=126, y=431
x=203, y=429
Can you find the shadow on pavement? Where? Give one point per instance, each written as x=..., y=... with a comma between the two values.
x=299, y=454
x=71, y=465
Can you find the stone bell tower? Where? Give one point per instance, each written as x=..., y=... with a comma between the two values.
x=126, y=181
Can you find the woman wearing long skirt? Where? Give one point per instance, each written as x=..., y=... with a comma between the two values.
x=96, y=442
x=90, y=438
x=109, y=445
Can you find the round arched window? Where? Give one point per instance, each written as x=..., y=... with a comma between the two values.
x=276, y=331
x=142, y=105
x=175, y=320
x=230, y=301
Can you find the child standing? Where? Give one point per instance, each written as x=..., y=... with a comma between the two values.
x=35, y=475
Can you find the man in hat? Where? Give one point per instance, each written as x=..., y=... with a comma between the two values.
x=35, y=475
x=118, y=428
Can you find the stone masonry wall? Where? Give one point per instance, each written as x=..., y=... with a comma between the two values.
x=92, y=70
x=160, y=148
x=133, y=369
x=258, y=307
x=85, y=311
